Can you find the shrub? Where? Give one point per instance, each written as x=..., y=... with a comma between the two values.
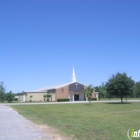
x=93, y=99
x=63, y=100
x=16, y=99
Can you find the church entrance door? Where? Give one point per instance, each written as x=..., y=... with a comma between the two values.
x=76, y=97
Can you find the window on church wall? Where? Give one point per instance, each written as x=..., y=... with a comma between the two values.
x=51, y=91
x=62, y=90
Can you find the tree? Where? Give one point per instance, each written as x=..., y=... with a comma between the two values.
x=31, y=98
x=137, y=89
x=88, y=92
x=10, y=97
x=120, y=85
x=102, y=91
x=48, y=96
x=2, y=92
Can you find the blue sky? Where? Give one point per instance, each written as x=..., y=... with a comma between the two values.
x=40, y=41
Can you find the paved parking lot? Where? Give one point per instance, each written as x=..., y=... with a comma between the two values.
x=15, y=127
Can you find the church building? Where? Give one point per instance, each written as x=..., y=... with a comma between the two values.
x=72, y=91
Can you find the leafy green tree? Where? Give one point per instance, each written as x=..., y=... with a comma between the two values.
x=10, y=97
x=31, y=98
x=96, y=88
x=48, y=96
x=120, y=85
x=2, y=92
x=88, y=92
x=137, y=89
x=102, y=91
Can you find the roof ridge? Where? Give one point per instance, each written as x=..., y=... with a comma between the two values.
x=52, y=87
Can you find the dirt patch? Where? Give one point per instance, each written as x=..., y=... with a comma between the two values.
x=53, y=133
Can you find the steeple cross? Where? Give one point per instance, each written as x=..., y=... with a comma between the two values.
x=76, y=85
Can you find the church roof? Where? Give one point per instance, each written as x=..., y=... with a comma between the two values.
x=52, y=87
x=55, y=87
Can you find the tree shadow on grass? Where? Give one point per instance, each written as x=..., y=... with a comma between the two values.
x=124, y=103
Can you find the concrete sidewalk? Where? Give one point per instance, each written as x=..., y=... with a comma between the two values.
x=15, y=127
x=75, y=102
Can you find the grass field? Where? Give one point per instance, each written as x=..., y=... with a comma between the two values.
x=99, y=121
x=106, y=99
x=102, y=99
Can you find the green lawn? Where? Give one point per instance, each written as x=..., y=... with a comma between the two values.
x=106, y=99
x=99, y=121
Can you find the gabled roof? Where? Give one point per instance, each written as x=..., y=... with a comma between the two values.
x=53, y=87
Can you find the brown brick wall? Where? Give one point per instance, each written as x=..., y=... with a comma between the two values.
x=62, y=93
x=93, y=95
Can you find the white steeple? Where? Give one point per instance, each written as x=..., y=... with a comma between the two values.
x=73, y=75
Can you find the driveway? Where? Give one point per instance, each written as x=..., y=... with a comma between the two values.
x=15, y=127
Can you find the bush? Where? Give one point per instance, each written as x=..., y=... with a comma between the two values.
x=93, y=99
x=16, y=99
x=63, y=100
